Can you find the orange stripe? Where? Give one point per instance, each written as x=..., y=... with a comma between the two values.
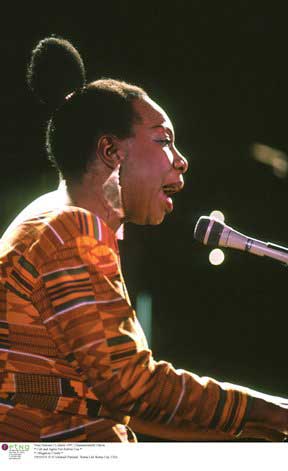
x=227, y=409
x=90, y=225
x=240, y=412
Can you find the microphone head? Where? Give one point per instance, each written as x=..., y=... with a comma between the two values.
x=208, y=231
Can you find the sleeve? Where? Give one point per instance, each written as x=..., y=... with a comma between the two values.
x=80, y=296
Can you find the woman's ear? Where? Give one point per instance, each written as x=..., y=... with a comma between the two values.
x=110, y=151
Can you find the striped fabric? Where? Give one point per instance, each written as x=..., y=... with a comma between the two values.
x=74, y=360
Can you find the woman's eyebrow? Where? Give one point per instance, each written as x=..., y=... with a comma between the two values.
x=170, y=131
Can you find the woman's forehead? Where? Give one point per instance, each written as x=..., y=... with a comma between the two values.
x=151, y=113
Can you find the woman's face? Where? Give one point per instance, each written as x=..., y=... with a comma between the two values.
x=152, y=169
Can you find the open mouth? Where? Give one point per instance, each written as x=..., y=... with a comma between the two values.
x=169, y=190
x=172, y=188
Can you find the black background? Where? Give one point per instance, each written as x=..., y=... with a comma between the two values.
x=220, y=71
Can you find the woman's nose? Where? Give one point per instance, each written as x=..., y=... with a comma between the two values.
x=180, y=163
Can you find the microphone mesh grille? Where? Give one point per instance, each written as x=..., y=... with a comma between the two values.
x=215, y=233
x=201, y=228
x=208, y=231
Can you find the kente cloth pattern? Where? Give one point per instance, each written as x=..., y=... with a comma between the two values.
x=74, y=361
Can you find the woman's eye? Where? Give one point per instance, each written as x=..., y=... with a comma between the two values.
x=165, y=142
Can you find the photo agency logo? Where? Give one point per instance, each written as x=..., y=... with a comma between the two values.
x=19, y=447
x=15, y=447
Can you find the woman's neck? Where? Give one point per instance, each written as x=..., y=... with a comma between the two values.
x=102, y=199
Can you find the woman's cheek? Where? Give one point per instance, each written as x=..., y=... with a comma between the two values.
x=169, y=155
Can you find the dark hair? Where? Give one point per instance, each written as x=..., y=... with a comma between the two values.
x=82, y=112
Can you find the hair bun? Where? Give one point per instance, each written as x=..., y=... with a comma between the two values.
x=55, y=70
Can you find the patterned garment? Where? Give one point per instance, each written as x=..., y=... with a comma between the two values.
x=74, y=360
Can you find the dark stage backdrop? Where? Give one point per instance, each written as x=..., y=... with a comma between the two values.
x=222, y=77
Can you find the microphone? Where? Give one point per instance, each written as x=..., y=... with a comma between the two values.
x=210, y=231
